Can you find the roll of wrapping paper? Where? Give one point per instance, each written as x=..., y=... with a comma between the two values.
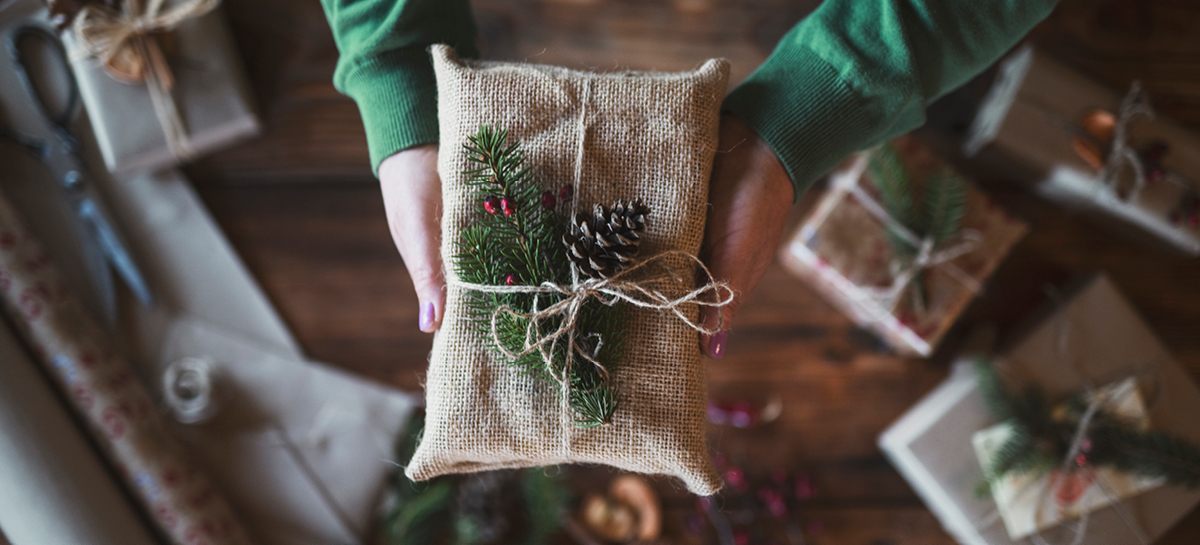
x=56, y=488
x=102, y=387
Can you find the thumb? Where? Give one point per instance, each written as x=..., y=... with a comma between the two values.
x=749, y=198
x=719, y=319
x=412, y=198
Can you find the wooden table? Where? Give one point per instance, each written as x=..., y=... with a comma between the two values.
x=301, y=206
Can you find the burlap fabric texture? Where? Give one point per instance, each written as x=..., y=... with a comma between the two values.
x=611, y=136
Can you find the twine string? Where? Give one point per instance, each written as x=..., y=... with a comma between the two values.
x=903, y=271
x=643, y=293
x=106, y=33
x=1135, y=104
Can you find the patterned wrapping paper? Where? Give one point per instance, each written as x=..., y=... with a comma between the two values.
x=843, y=251
x=104, y=389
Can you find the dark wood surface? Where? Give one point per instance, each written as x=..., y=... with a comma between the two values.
x=302, y=208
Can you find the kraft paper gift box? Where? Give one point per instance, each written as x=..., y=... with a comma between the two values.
x=842, y=250
x=1033, y=501
x=1045, y=124
x=932, y=444
x=210, y=94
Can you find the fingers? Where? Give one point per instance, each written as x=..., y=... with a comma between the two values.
x=749, y=195
x=412, y=199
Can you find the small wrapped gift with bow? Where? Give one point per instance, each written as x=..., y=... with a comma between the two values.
x=1089, y=148
x=901, y=243
x=161, y=79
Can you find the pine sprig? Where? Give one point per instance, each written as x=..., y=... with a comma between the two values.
x=896, y=196
x=456, y=509
x=945, y=205
x=1041, y=437
x=937, y=213
x=521, y=245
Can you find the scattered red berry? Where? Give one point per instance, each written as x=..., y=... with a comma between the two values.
x=510, y=280
x=508, y=206
x=491, y=205
x=804, y=487
x=566, y=192
x=1081, y=460
x=736, y=479
x=548, y=200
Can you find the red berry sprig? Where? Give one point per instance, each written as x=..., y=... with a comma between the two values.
x=508, y=206
x=548, y=200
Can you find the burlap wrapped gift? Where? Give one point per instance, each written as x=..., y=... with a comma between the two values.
x=611, y=136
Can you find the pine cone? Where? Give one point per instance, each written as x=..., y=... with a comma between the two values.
x=602, y=244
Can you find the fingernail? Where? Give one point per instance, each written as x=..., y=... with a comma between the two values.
x=425, y=322
x=716, y=345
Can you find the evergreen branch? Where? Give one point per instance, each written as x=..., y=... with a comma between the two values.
x=546, y=502
x=1002, y=404
x=1042, y=438
x=896, y=196
x=945, y=205
x=524, y=242
x=1146, y=452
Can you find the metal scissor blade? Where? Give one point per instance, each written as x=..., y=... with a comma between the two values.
x=100, y=275
x=106, y=238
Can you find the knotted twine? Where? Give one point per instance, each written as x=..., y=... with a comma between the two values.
x=903, y=272
x=105, y=33
x=1135, y=104
x=642, y=293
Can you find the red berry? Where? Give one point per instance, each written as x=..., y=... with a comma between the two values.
x=548, y=200
x=510, y=280
x=508, y=206
x=491, y=205
x=566, y=192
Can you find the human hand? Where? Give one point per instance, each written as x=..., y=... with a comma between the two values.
x=412, y=199
x=749, y=197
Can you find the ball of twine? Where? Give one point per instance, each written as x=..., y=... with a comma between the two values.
x=188, y=390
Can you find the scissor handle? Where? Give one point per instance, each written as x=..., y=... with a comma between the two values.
x=18, y=48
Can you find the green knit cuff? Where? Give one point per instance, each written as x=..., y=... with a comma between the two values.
x=396, y=94
x=804, y=110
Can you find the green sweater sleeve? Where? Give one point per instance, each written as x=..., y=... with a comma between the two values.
x=385, y=68
x=855, y=73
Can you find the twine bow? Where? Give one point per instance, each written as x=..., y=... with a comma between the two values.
x=903, y=271
x=1101, y=125
x=643, y=293
x=107, y=34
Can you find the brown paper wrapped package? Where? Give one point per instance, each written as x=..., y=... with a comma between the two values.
x=611, y=136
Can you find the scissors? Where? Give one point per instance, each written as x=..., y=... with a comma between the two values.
x=62, y=155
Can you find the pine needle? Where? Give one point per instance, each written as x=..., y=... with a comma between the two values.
x=527, y=245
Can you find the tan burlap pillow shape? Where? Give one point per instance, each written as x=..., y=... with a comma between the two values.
x=620, y=135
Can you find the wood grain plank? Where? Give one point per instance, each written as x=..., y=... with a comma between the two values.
x=301, y=206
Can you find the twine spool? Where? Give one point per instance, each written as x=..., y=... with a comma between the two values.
x=188, y=388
